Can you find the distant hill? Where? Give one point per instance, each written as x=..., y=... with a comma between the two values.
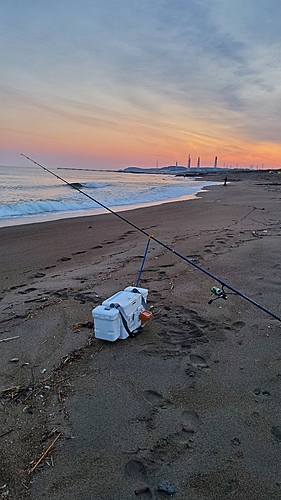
x=171, y=169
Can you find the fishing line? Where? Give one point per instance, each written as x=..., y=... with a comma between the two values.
x=222, y=283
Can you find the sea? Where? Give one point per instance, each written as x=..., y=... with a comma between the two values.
x=30, y=194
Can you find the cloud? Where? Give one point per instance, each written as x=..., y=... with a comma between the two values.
x=177, y=66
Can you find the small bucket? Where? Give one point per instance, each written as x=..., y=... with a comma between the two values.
x=145, y=316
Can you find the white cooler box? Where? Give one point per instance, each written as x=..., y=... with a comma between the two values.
x=119, y=315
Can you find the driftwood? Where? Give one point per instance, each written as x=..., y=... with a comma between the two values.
x=10, y=338
x=44, y=455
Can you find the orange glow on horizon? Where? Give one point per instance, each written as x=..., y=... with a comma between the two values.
x=134, y=143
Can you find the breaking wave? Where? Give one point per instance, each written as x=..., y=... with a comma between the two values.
x=43, y=207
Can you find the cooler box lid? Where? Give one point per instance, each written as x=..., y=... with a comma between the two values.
x=123, y=299
x=142, y=291
x=105, y=313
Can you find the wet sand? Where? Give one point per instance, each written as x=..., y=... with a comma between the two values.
x=191, y=406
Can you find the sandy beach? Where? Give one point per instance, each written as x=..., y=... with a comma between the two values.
x=190, y=407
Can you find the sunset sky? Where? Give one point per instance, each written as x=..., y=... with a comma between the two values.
x=114, y=83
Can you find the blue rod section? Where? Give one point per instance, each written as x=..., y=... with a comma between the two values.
x=143, y=261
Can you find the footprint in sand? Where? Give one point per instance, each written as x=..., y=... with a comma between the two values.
x=190, y=420
x=153, y=396
x=135, y=471
x=39, y=275
x=238, y=324
x=23, y=292
x=144, y=493
x=182, y=438
x=198, y=361
x=155, y=293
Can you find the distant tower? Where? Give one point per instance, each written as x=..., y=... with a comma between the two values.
x=216, y=162
x=188, y=161
x=198, y=162
x=176, y=163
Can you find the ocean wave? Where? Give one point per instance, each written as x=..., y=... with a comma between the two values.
x=96, y=185
x=109, y=195
x=44, y=206
x=89, y=185
x=38, y=187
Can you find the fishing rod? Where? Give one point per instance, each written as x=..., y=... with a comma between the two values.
x=219, y=293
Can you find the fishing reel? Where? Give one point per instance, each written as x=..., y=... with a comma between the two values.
x=218, y=294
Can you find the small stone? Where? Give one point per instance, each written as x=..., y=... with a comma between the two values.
x=166, y=487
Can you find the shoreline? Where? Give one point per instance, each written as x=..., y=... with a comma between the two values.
x=193, y=400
